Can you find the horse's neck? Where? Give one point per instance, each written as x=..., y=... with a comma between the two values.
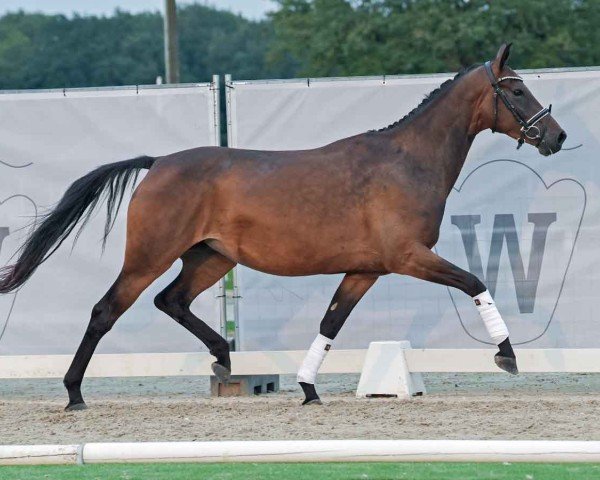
x=443, y=132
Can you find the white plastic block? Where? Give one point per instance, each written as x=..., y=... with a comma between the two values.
x=385, y=372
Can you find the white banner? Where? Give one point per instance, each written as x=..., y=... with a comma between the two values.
x=527, y=225
x=48, y=139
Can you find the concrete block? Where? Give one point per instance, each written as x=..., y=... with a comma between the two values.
x=244, y=385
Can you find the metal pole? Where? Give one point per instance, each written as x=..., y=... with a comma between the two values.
x=236, y=309
x=228, y=108
x=171, y=48
x=223, y=308
x=216, y=90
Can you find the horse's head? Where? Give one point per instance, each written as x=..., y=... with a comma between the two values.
x=513, y=110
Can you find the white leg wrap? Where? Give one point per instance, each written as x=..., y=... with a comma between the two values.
x=314, y=358
x=491, y=317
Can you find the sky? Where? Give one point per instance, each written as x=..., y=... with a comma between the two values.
x=254, y=9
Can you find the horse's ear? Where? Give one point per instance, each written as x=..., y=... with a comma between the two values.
x=502, y=56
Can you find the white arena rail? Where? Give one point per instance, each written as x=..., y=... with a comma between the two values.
x=175, y=364
x=305, y=451
x=387, y=368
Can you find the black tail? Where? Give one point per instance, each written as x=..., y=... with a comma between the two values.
x=78, y=203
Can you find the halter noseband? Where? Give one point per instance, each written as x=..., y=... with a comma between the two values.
x=528, y=127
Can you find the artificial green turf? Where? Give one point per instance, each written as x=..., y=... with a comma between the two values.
x=327, y=471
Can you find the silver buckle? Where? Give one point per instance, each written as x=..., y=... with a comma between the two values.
x=526, y=132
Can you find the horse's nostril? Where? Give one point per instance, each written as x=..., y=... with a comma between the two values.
x=562, y=136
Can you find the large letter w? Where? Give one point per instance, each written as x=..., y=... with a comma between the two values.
x=504, y=227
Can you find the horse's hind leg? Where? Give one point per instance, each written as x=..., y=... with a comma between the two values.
x=202, y=268
x=151, y=248
x=422, y=263
x=348, y=294
x=122, y=294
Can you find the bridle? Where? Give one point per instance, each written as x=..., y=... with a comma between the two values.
x=529, y=128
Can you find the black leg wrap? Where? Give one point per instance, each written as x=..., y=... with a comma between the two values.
x=505, y=358
x=311, y=394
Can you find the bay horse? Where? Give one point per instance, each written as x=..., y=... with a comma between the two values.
x=366, y=206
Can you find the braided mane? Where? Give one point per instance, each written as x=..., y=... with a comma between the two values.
x=443, y=88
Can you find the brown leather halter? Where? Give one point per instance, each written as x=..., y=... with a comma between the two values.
x=529, y=128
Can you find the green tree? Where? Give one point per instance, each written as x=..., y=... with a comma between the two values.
x=54, y=51
x=366, y=37
x=302, y=38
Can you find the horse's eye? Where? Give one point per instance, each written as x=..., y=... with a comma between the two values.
x=518, y=92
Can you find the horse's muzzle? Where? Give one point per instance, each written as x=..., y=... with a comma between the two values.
x=560, y=139
x=550, y=144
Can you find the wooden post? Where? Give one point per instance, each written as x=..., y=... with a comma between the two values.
x=171, y=47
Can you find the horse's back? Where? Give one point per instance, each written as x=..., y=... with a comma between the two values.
x=291, y=213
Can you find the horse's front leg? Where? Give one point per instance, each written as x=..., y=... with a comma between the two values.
x=348, y=294
x=420, y=262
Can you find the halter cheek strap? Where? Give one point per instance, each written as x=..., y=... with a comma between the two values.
x=528, y=127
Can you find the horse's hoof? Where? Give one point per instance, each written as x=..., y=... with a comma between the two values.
x=310, y=394
x=221, y=372
x=313, y=401
x=508, y=364
x=74, y=407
